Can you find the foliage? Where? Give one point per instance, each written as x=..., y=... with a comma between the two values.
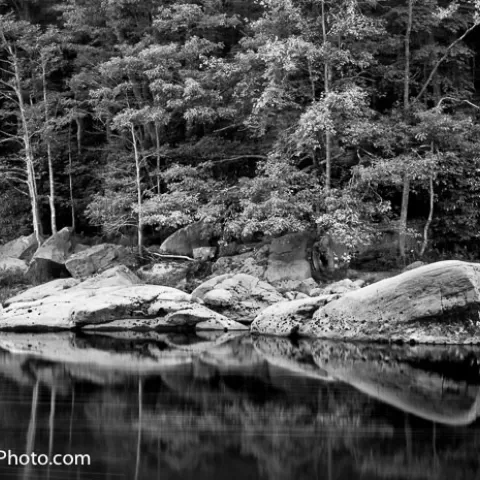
x=158, y=114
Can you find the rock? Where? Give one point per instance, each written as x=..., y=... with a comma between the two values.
x=288, y=258
x=253, y=263
x=368, y=277
x=249, y=295
x=170, y=274
x=219, y=297
x=295, y=295
x=45, y=290
x=80, y=247
x=185, y=240
x=90, y=303
x=21, y=247
x=181, y=315
x=413, y=265
x=360, y=283
x=48, y=262
x=341, y=287
x=115, y=276
x=12, y=266
x=316, y=292
x=306, y=286
x=284, y=319
x=203, y=318
x=204, y=253
x=228, y=249
x=97, y=259
x=436, y=303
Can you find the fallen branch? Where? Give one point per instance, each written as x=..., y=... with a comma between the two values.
x=179, y=257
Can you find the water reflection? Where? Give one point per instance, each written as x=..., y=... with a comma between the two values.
x=231, y=406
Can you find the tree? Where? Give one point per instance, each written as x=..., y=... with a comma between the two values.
x=16, y=40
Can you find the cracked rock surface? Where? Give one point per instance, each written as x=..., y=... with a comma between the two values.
x=114, y=300
x=436, y=303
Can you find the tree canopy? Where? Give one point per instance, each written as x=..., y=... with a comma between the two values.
x=264, y=117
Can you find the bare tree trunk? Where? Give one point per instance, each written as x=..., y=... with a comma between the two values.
x=429, y=219
x=157, y=139
x=326, y=88
x=51, y=183
x=29, y=160
x=139, y=190
x=70, y=177
x=79, y=122
x=402, y=237
x=406, y=75
x=406, y=106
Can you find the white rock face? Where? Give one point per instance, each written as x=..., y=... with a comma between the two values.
x=41, y=291
x=219, y=297
x=248, y=295
x=436, y=303
x=285, y=318
x=113, y=300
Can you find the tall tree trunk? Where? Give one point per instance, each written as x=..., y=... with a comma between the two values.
x=406, y=105
x=139, y=190
x=430, y=217
x=404, y=215
x=26, y=137
x=157, y=139
x=326, y=88
x=51, y=183
x=31, y=179
x=79, y=122
x=70, y=178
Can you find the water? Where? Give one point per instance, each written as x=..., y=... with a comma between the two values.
x=227, y=406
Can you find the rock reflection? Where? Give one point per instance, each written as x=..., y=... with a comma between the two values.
x=221, y=406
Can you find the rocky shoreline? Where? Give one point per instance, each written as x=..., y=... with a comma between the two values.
x=437, y=303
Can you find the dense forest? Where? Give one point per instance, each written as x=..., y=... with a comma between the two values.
x=261, y=116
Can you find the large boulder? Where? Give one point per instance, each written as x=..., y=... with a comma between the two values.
x=113, y=300
x=187, y=239
x=42, y=291
x=285, y=318
x=289, y=258
x=171, y=274
x=253, y=262
x=21, y=247
x=97, y=259
x=436, y=303
x=48, y=262
x=248, y=295
x=12, y=266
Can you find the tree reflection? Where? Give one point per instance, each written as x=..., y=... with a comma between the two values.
x=296, y=411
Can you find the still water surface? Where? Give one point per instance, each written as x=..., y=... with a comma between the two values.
x=225, y=406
